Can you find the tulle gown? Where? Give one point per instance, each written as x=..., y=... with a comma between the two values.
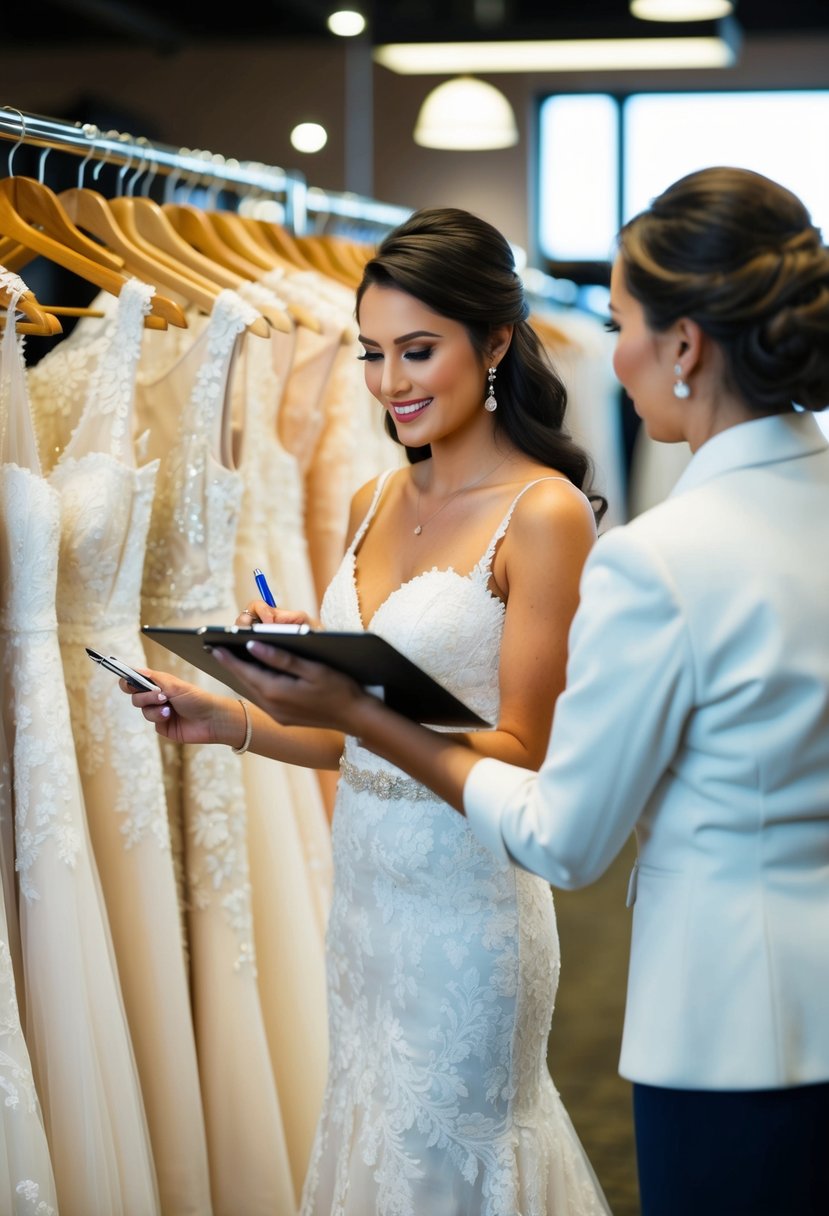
x=443, y=965
x=290, y=871
x=27, y=1184
x=106, y=502
x=189, y=579
x=75, y=1025
x=272, y=535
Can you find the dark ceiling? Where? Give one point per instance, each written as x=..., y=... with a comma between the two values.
x=168, y=27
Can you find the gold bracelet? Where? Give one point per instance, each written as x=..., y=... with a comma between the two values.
x=240, y=751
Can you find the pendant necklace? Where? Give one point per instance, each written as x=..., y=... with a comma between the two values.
x=471, y=486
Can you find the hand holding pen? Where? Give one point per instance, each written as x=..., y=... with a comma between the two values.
x=266, y=610
x=257, y=610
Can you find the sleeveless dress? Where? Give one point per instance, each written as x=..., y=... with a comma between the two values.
x=188, y=579
x=27, y=1184
x=290, y=879
x=106, y=502
x=75, y=1025
x=443, y=963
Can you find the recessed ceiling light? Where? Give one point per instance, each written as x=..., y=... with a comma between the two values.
x=681, y=10
x=309, y=137
x=347, y=23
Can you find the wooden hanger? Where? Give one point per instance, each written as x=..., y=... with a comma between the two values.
x=200, y=228
x=39, y=321
x=284, y=243
x=236, y=231
x=92, y=212
x=148, y=225
x=25, y=203
x=336, y=256
x=196, y=227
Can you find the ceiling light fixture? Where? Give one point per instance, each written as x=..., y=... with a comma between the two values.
x=681, y=10
x=466, y=115
x=717, y=48
x=346, y=23
x=309, y=137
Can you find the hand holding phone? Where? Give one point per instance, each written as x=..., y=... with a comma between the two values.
x=134, y=678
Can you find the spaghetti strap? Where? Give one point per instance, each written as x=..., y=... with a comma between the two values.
x=485, y=563
x=367, y=518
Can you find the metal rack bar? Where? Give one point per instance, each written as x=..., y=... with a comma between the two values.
x=290, y=186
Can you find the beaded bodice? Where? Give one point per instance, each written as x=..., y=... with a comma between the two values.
x=189, y=562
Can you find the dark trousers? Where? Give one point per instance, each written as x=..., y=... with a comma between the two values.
x=732, y=1153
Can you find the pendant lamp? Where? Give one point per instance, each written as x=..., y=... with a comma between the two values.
x=466, y=115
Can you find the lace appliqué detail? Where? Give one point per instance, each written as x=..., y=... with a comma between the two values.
x=442, y=966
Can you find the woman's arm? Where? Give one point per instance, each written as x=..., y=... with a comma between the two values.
x=538, y=570
x=185, y=713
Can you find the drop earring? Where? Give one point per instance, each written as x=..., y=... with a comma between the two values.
x=491, y=404
x=682, y=389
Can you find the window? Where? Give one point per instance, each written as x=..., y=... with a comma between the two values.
x=603, y=158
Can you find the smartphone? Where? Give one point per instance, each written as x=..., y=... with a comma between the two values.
x=134, y=678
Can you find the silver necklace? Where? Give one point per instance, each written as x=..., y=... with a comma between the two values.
x=471, y=486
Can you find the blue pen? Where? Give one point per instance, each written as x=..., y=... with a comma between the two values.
x=264, y=589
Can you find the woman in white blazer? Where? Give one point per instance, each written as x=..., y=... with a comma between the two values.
x=696, y=711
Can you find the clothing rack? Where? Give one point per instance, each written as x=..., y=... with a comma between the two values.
x=297, y=200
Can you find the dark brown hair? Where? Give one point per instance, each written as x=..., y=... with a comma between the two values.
x=462, y=267
x=738, y=254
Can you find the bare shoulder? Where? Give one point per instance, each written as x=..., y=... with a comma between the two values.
x=549, y=504
x=363, y=497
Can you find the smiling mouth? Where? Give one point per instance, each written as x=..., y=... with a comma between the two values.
x=410, y=409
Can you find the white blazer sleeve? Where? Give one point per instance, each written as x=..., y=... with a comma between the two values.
x=617, y=725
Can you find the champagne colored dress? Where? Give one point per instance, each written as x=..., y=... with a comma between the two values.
x=290, y=869
x=189, y=580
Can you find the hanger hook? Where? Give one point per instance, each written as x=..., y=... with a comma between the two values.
x=140, y=168
x=192, y=177
x=119, y=189
x=214, y=163
x=153, y=173
x=41, y=163
x=172, y=179
x=14, y=147
x=91, y=132
x=96, y=172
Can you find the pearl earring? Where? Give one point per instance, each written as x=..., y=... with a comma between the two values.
x=491, y=404
x=682, y=389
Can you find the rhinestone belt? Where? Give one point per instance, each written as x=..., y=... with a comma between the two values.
x=384, y=785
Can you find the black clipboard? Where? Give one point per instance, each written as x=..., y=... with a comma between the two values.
x=365, y=656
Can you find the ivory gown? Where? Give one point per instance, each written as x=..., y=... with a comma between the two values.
x=75, y=1025
x=443, y=963
x=27, y=1184
x=288, y=832
x=106, y=504
x=189, y=580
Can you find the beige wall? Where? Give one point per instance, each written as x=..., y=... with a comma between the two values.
x=242, y=101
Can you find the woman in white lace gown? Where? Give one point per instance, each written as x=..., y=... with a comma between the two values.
x=442, y=958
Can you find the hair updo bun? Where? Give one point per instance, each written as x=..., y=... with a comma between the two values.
x=738, y=254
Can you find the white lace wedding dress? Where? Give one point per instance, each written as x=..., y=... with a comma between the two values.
x=442, y=965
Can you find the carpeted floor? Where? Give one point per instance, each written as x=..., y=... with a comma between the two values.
x=594, y=929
